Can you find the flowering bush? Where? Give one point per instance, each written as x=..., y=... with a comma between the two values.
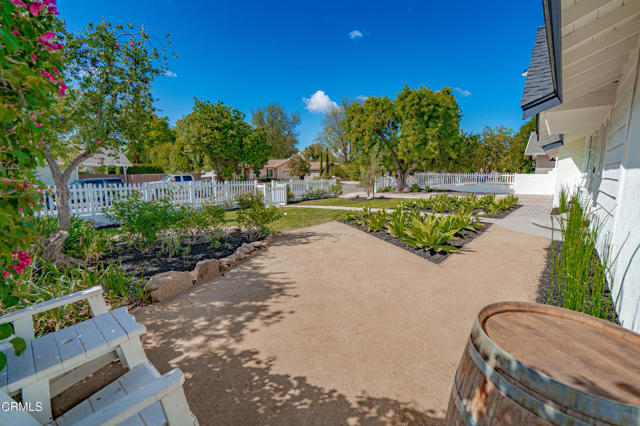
x=29, y=82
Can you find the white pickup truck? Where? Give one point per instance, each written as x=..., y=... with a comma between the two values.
x=176, y=178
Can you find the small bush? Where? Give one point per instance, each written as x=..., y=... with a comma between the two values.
x=336, y=189
x=415, y=188
x=254, y=216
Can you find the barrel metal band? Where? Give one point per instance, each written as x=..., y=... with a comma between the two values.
x=543, y=410
x=457, y=399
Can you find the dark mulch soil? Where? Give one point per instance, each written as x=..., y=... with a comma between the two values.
x=546, y=282
x=464, y=237
x=153, y=261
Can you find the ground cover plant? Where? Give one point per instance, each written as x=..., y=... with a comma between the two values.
x=380, y=203
x=487, y=205
x=430, y=236
x=578, y=272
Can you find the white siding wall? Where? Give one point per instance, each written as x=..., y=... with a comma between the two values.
x=570, y=165
x=615, y=192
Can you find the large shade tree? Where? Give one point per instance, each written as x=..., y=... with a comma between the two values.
x=420, y=126
x=109, y=70
x=280, y=128
x=218, y=137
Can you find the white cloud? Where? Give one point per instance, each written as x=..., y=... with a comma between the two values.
x=355, y=34
x=320, y=103
x=463, y=92
x=170, y=74
x=361, y=98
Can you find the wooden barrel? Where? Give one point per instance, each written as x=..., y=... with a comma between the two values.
x=527, y=363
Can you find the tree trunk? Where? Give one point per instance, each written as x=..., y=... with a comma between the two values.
x=401, y=175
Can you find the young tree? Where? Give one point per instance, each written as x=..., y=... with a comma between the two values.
x=517, y=161
x=155, y=132
x=218, y=137
x=111, y=69
x=370, y=169
x=334, y=134
x=299, y=166
x=493, y=148
x=280, y=129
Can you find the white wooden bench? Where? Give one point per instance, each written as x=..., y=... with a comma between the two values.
x=141, y=397
x=56, y=361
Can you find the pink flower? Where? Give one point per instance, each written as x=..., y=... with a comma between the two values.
x=46, y=37
x=25, y=185
x=14, y=32
x=55, y=70
x=99, y=143
x=53, y=10
x=62, y=90
x=18, y=3
x=37, y=124
x=34, y=8
x=5, y=274
x=33, y=58
x=19, y=209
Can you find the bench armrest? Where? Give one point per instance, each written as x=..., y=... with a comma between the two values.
x=23, y=319
x=162, y=389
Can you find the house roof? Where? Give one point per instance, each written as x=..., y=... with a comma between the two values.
x=274, y=164
x=537, y=146
x=107, y=159
x=539, y=91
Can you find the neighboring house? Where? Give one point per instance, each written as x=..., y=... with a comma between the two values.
x=583, y=84
x=314, y=168
x=545, y=162
x=274, y=169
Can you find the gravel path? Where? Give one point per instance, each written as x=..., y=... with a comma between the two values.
x=334, y=326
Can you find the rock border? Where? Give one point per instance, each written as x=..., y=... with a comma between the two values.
x=166, y=285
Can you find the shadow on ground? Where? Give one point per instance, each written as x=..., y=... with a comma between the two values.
x=197, y=331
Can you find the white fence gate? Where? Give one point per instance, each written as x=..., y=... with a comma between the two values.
x=436, y=179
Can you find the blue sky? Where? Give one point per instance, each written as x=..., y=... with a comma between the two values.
x=251, y=53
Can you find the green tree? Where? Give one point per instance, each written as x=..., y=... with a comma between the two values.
x=517, y=162
x=112, y=68
x=280, y=129
x=155, y=132
x=159, y=155
x=299, y=166
x=334, y=134
x=370, y=169
x=218, y=138
x=313, y=152
x=492, y=152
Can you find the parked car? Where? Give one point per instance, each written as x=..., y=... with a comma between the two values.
x=176, y=178
x=110, y=182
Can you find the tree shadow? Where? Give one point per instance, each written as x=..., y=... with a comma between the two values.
x=196, y=332
x=298, y=238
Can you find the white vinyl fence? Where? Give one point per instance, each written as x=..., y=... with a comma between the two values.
x=89, y=200
x=541, y=184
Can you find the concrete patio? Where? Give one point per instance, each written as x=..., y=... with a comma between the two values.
x=333, y=326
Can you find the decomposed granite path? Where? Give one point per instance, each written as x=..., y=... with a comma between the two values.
x=333, y=326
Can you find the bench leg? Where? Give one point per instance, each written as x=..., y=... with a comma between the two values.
x=132, y=354
x=177, y=410
x=39, y=393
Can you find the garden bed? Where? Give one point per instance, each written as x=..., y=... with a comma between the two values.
x=547, y=281
x=151, y=262
x=464, y=237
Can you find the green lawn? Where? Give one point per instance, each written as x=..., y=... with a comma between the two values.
x=294, y=218
x=345, y=202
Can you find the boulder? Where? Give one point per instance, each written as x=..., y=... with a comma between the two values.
x=257, y=245
x=241, y=255
x=166, y=285
x=232, y=230
x=205, y=270
x=242, y=249
x=247, y=246
x=228, y=262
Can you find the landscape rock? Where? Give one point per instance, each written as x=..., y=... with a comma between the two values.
x=228, y=262
x=242, y=249
x=205, y=270
x=241, y=254
x=257, y=245
x=232, y=230
x=166, y=285
x=247, y=246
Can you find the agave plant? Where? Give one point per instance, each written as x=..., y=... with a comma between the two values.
x=397, y=223
x=406, y=205
x=376, y=221
x=464, y=220
x=429, y=234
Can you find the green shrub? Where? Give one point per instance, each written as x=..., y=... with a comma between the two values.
x=376, y=221
x=290, y=195
x=83, y=242
x=397, y=224
x=255, y=217
x=143, y=220
x=415, y=188
x=248, y=199
x=335, y=189
x=138, y=169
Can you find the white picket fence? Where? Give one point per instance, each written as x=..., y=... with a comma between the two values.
x=89, y=200
x=435, y=179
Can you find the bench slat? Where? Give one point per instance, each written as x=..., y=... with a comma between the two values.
x=128, y=322
x=107, y=396
x=153, y=415
x=90, y=336
x=76, y=414
x=136, y=421
x=136, y=379
x=20, y=368
x=69, y=345
x=109, y=328
x=45, y=354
